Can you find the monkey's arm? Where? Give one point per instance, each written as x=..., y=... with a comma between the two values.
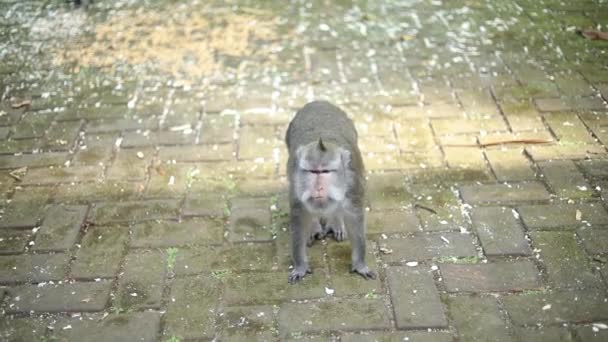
x=300, y=222
x=354, y=220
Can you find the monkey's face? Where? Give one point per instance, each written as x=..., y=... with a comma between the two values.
x=321, y=177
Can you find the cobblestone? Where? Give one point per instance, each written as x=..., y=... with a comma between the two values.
x=491, y=277
x=563, y=215
x=557, y=307
x=76, y=297
x=415, y=299
x=504, y=193
x=499, y=231
x=467, y=312
x=140, y=326
x=429, y=246
x=566, y=263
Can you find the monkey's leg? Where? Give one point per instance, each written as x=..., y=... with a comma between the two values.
x=355, y=223
x=317, y=232
x=335, y=225
x=300, y=230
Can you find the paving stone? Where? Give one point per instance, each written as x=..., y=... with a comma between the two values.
x=465, y=158
x=563, y=215
x=543, y=334
x=573, y=84
x=168, y=180
x=504, y=193
x=191, y=309
x=595, y=168
x=32, y=160
x=236, y=170
x=115, y=124
x=65, y=297
x=500, y=231
x=92, y=112
x=329, y=315
x=137, y=326
x=33, y=267
x=510, y=165
x=133, y=211
x=61, y=136
x=345, y=282
x=195, y=153
x=32, y=125
x=468, y=312
x=247, y=323
x=564, y=178
x=217, y=129
x=95, y=149
x=428, y=246
x=565, y=262
x=98, y=192
x=252, y=257
x=26, y=208
x=540, y=153
x=595, y=241
x=387, y=191
x=258, y=142
x=62, y=175
x=451, y=126
x=22, y=329
x=141, y=284
x=12, y=242
x=559, y=306
x=521, y=115
x=128, y=166
x=433, y=336
x=415, y=299
x=377, y=144
x=587, y=333
x=204, y=204
x=60, y=228
x=271, y=288
x=569, y=103
x=437, y=206
x=101, y=251
x=260, y=187
x=250, y=220
x=379, y=222
x=160, y=138
x=413, y=134
x=569, y=129
x=491, y=277
x=194, y=231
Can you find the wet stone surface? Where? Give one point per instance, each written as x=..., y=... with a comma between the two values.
x=143, y=186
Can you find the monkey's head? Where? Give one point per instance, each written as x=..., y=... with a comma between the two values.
x=321, y=175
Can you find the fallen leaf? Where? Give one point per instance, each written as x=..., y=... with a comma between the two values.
x=24, y=103
x=593, y=34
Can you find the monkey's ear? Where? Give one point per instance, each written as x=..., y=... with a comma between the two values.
x=346, y=157
x=321, y=146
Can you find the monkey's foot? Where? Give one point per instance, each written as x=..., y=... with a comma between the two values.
x=365, y=272
x=297, y=274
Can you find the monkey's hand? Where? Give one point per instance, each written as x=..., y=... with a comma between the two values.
x=365, y=272
x=298, y=273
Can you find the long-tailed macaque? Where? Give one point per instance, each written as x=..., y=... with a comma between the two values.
x=326, y=184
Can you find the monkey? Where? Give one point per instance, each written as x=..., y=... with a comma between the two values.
x=326, y=185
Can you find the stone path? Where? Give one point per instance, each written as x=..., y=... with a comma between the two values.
x=142, y=169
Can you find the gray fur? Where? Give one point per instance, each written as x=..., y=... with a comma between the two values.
x=322, y=134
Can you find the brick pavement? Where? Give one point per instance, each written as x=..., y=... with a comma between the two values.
x=142, y=175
